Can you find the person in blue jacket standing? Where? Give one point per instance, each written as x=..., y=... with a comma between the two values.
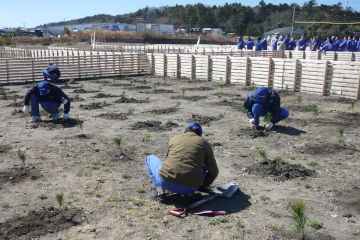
x=327, y=46
x=258, y=45
x=240, y=44
x=264, y=43
x=287, y=41
x=337, y=41
x=342, y=45
x=292, y=43
x=274, y=44
x=262, y=101
x=318, y=42
x=335, y=46
x=50, y=97
x=302, y=43
x=249, y=43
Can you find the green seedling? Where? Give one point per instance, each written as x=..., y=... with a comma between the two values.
x=208, y=133
x=82, y=85
x=169, y=121
x=114, y=79
x=222, y=115
x=80, y=124
x=189, y=229
x=15, y=99
x=76, y=96
x=221, y=85
x=125, y=175
x=22, y=156
x=145, y=76
x=131, y=110
x=146, y=153
x=268, y=117
x=312, y=163
x=264, y=198
x=97, y=194
x=104, y=102
x=298, y=212
x=352, y=104
x=194, y=76
x=66, y=155
x=131, y=81
x=292, y=157
x=123, y=93
x=222, y=219
x=177, y=104
x=337, y=163
x=4, y=95
x=140, y=190
x=94, y=76
x=299, y=99
x=25, y=204
x=183, y=90
x=147, y=99
x=243, y=155
x=315, y=224
x=307, y=185
x=118, y=142
x=190, y=81
x=156, y=235
x=18, y=225
x=6, y=205
x=219, y=95
x=72, y=81
x=129, y=149
x=287, y=88
x=341, y=134
x=100, y=87
x=60, y=199
x=42, y=196
x=262, y=154
x=239, y=225
x=153, y=71
x=146, y=138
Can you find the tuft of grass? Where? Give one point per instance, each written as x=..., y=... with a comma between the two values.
x=147, y=99
x=131, y=110
x=352, y=104
x=156, y=235
x=299, y=99
x=307, y=185
x=243, y=155
x=4, y=94
x=222, y=115
x=6, y=205
x=146, y=138
x=15, y=99
x=292, y=157
x=264, y=198
x=315, y=224
x=239, y=225
x=43, y=196
x=262, y=154
x=97, y=194
x=178, y=104
x=222, y=219
x=219, y=95
x=22, y=156
x=125, y=175
x=299, y=218
x=169, y=121
x=60, y=198
x=312, y=163
x=118, y=142
x=213, y=222
x=129, y=149
x=337, y=163
x=183, y=90
x=208, y=133
x=140, y=190
x=25, y=203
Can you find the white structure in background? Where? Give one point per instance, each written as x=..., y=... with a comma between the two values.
x=93, y=41
x=214, y=31
x=162, y=28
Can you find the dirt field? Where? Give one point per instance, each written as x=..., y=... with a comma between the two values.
x=107, y=193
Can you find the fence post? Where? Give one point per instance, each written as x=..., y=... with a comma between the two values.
x=227, y=75
x=325, y=78
x=7, y=70
x=192, y=66
x=79, y=73
x=247, y=77
x=269, y=73
x=358, y=87
x=153, y=63
x=164, y=64
x=99, y=66
x=138, y=63
x=209, y=68
x=295, y=74
x=178, y=66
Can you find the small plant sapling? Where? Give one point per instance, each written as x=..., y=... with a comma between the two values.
x=145, y=76
x=118, y=142
x=222, y=115
x=100, y=87
x=178, y=104
x=268, y=118
x=221, y=85
x=80, y=124
x=299, y=99
x=169, y=121
x=341, y=135
x=315, y=224
x=94, y=76
x=60, y=199
x=22, y=156
x=131, y=81
x=76, y=96
x=4, y=94
x=262, y=154
x=147, y=99
x=43, y=196
x=352, y=105
x=114, y=79
x=146, y=138
x=131, y=110
x=123, y=93
x=219, y=95
x=239, y=225
x=190, y=81
x=287, y=88
x=298, y=212
x=15, y=99
x=183, y=90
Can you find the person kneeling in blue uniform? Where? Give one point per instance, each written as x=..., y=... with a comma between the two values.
x=262, y=101
x=50, y=98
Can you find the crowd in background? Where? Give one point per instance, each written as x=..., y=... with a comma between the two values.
x=280, y=43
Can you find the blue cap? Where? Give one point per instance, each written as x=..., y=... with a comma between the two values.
x=43, y=88
x=196, y=125
x=261, y=94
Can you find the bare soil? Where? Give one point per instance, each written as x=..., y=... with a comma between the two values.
x=107, y=189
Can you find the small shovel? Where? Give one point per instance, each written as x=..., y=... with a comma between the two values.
x=224, y=190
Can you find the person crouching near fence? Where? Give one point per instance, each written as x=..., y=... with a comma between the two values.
x=51, y=72
x=189, y=163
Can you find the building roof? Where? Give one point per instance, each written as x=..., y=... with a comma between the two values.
x=279, y=30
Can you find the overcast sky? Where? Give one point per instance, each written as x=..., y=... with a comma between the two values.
x=32, y=13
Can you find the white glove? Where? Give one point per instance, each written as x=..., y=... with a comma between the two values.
x=64, y=101
x=26, y=109
x=269, y=125
x=66, y=116
x=252, y=121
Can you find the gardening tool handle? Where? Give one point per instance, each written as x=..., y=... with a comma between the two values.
x=198, y=203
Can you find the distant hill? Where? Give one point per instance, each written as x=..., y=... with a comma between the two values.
x=243, y=20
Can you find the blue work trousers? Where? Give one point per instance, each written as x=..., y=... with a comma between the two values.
x=50, y=107
x=49, y=75
x=258, y=111
x=153, y=165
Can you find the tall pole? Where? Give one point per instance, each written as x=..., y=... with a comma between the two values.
x=292, y=27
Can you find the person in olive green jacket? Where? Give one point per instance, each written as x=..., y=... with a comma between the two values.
x=189, y=163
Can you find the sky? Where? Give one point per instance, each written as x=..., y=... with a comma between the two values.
x=36, y=12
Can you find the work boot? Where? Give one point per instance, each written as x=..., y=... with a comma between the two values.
x=35, y=119
x=158, y=197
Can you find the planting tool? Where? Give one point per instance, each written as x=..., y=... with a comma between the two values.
x=224, y=190
x=61, y=120
x=210, y=212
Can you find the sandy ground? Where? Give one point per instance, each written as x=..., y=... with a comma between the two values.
x=107, y=193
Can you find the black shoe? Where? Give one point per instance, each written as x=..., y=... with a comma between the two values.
x=158, y=197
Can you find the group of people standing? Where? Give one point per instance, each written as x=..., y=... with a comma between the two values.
x=280, y=43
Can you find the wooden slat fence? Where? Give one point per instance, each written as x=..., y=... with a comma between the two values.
x=30, y=69
x=312, y=76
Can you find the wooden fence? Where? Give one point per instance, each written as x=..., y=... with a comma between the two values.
x=323, y=77
x=16, y=70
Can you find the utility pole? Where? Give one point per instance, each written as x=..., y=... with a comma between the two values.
x=292, y=27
